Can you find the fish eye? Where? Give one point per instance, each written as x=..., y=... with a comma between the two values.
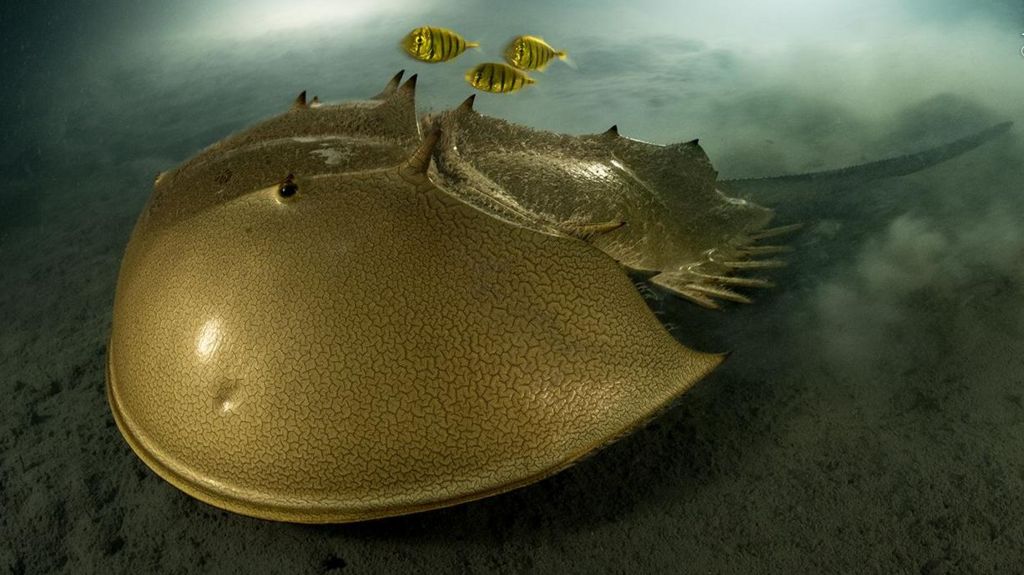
x=419, y=40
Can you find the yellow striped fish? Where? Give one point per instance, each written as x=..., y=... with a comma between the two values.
x=431, y=44
x=496, y=77
x=531, y=53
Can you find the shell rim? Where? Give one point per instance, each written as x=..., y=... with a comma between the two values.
x=297, y=514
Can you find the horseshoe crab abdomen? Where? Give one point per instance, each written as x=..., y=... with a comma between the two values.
x=678, y=227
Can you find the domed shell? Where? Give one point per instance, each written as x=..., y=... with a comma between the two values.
x=314, y=342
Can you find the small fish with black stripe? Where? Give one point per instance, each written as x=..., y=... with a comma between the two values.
x=533, y=53
x=432, y=44
x=498, y=78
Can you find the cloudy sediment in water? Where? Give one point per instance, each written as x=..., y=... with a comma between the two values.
x=767, y=86
x=867, y=420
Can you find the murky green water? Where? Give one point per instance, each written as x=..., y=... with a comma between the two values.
x=869, y=419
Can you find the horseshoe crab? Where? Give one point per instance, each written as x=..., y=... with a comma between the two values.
x=344, y=313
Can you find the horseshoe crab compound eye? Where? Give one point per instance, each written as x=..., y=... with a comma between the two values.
x=287, y=189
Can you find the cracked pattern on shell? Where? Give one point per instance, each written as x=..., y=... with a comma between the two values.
x=375, y=346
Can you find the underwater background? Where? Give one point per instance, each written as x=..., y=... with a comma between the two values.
x=870, y=418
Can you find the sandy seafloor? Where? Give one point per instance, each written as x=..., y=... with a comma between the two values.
x=870, y=418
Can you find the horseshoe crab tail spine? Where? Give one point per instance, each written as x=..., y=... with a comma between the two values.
x=855, y=175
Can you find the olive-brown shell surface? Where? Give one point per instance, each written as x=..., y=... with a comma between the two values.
x=373, y=346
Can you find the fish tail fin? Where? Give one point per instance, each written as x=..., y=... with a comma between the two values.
x=564, y=56
x=472, y=45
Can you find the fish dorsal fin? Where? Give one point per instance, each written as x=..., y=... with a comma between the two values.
x=391, y=86
x=300, y=100
x=612, y=132
x=415, y=168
